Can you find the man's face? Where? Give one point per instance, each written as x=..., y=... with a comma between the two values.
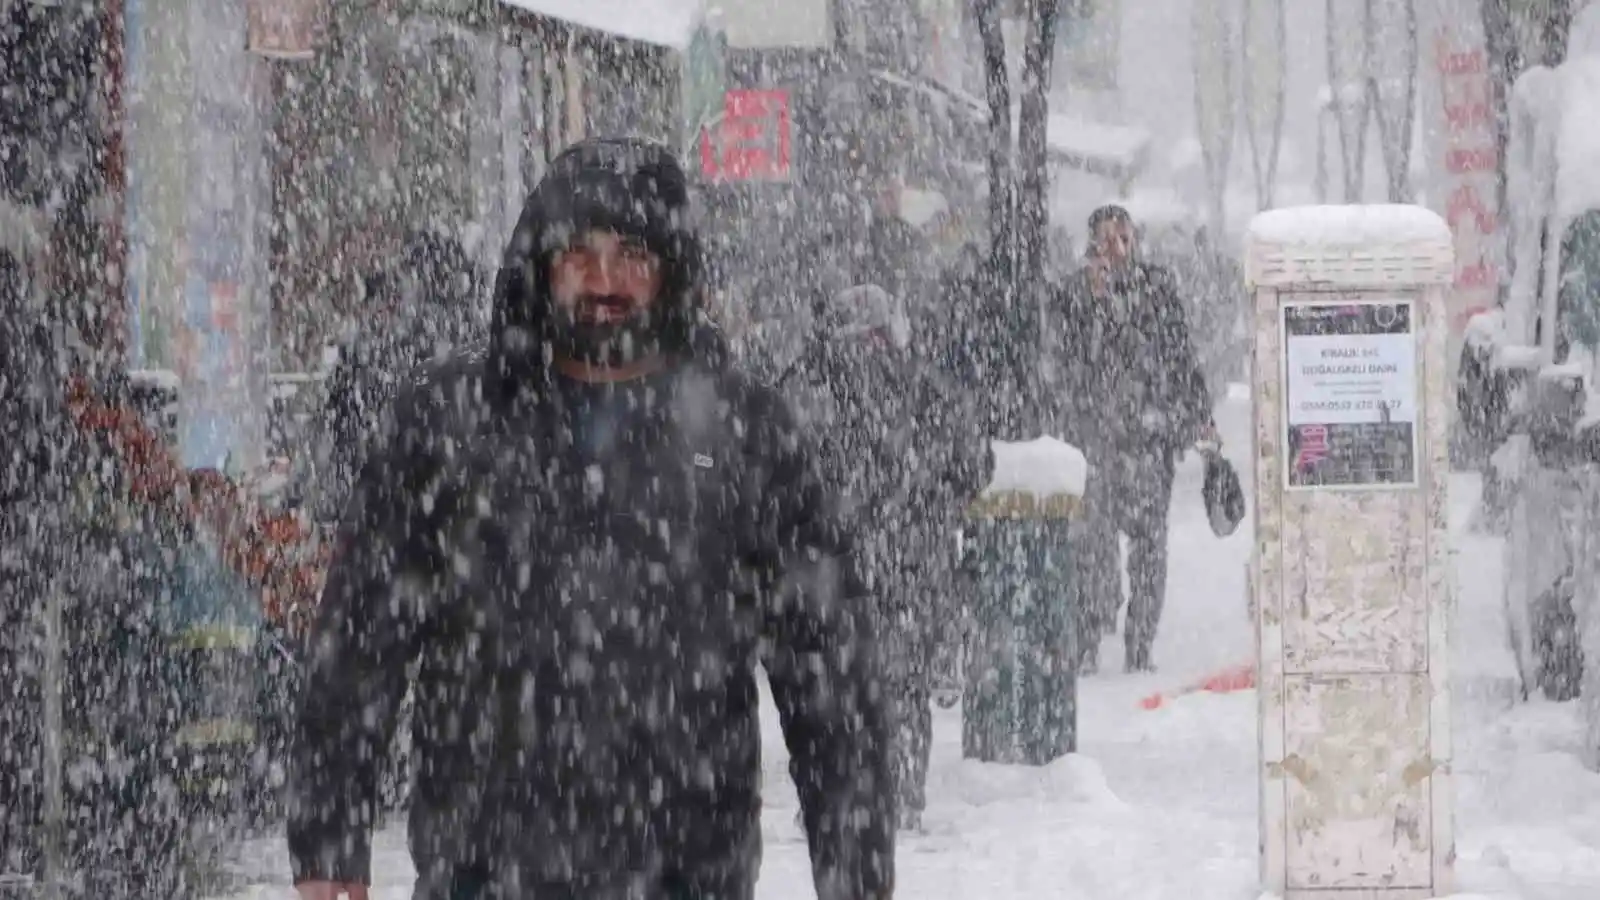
x=1113, y=243
x=603, y=278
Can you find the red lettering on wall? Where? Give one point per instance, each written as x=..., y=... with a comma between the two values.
x=1454, y=63
x=752, y=142
x=1460, y=162
x=1466, y=116
x=1477, y=275
x=1464, y=202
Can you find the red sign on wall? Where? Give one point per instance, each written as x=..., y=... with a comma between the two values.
x=752, y=141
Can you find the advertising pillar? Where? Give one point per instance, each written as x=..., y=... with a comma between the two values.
x=1350, y=569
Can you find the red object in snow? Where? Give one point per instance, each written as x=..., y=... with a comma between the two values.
x=1235, y=678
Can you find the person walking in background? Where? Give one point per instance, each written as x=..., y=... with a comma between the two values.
x=420, y=310
x=901, y=462
x=1135, y=399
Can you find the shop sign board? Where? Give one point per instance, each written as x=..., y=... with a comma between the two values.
x=753, y=140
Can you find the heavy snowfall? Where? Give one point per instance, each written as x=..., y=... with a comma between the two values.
x=787, y=449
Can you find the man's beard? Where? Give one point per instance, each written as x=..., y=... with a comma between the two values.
x=606, y=343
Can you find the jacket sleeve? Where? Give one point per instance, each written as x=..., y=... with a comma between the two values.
x=823, y=666
x=1070, y=394
x=366, y=633
x=964, y=455
x=1190, y=398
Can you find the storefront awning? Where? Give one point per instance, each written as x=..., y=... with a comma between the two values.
x=1112, y=151
x=665, y=23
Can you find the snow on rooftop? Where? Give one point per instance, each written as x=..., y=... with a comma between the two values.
x=947, y=99
x=1154, y=207
x=1121, y=145
x=1042, y=467
x=1350, y=225
x=666, y=23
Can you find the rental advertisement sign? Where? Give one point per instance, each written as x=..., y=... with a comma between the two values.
x=1351, y=394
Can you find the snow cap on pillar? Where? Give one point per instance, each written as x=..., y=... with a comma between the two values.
x=1376, y=245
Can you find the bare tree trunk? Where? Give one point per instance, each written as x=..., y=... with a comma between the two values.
x=1263, y=39
x=1002, y=242
x=1505, y=64
x=1032, y=146
x=1351, y=110
x=1395, y=126
x=1213, y=37
x=1555, y=31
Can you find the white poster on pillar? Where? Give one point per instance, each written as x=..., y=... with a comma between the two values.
x=1351, y=397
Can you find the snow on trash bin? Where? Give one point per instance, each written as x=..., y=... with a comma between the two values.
x=1039, y=479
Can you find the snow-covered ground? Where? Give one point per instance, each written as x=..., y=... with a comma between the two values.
x=1161, y=805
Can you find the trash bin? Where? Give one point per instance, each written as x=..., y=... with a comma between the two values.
x=1019, y=699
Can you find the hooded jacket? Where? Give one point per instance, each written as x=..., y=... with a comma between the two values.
x=585, y=578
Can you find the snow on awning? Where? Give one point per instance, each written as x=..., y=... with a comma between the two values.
x=969, y=107
x=665, y=23
x=1113, y=151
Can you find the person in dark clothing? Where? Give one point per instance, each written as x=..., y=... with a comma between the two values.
x=899, y=461
x=26, y=451
x=1134, y=399
x=417, y=313
x=585, y=537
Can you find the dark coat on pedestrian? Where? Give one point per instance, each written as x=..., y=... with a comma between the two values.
x=1130, y=382
x=417, y=314
x=901, y=456
x=1131, y=394
x=901, y=460
x=586, y=577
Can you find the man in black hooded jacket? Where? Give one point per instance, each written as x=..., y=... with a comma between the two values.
x=585, y=539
